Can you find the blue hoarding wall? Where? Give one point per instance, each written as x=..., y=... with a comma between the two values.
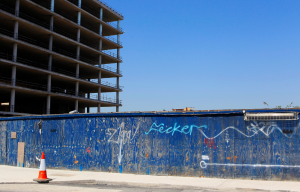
x=221, y=145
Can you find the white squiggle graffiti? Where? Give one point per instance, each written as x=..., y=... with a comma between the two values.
x=123, y=137
x=204, y=165
x=266, y=128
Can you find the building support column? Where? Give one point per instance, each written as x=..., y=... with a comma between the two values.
x=50, y=42
x=15, y=52
x=99, y=99
x=79, y=3
x=100, y=45
x=76, y=104
x=78, y=53
x=100, y=61
x=77, y=70
x=78, y=35
x=117, y=107
x=50, y=62
x=48, y=104
x=12, y=100
x=118, y=86
x=17, y=8
x=77, y=89
x=49, y=83
x=118, y=36
x=51, y=22
x=52, y=5
x=101, y=14
x=13, y=75
x=79, y=18
x=100, y=29
x=99, y=77
x=99, y=108
x=16, y=30
x=118, y=53
x=88, y=108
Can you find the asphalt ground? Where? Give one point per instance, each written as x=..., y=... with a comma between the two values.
x=21, y=179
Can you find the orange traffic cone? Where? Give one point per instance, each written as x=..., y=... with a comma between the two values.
x=42, y=174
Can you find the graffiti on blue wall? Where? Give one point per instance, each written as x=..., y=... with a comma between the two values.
x=183, y=145
x=267, y=128
x=187, y=129
x=120, y=137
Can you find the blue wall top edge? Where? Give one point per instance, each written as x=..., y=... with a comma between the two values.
x=154, y=113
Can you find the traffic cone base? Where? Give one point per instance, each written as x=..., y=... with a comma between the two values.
x=42, y=173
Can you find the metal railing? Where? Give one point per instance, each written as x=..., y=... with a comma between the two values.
x=6, y=80
x=90, y=44
x=54, y=69
x=112, y=54
x=110, y=8
x=42, y=3
x=111, y=69
x=41, y=87
x=8, y=9
x=66, y=34
x=96, y=14
x=57, y=70
x=64, y=52
x=6, y=32
x=34, y=20
x=74, y=19
x=33, y=41
x=112, y=40
x=6, y=56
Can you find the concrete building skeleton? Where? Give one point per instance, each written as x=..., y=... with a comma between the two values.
x=52, y=56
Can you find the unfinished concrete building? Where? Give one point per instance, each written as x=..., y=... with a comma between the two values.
x=54, y=55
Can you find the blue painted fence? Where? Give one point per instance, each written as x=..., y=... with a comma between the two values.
x=201, y=144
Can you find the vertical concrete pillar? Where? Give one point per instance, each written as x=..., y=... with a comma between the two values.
x=118, y=36
x=99, y=108
x=87, y=109
x=78, y=53
x=15, y=52
x=100, y=45
x=118, y=80
x=117, y=109
x=50, y=62
x=76, y=104
x=13, y=75
x=48, y=104
x=79, y=18
x=51, y=22
x=77, y=70
x=118, y=53
x=17, y=8
x=16, y=29
x=50, y=42
x=100, y=29
x=99, y=77
x=76, y=88
x=99, y=93
x=79, y=3
x=78, y=35
x=100, y=61
x=49, y=83
x=101, y=14
x=52, y=5
x=118, y=86
x=12, y=100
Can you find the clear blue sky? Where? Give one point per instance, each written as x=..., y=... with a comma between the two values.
x=209, y=54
